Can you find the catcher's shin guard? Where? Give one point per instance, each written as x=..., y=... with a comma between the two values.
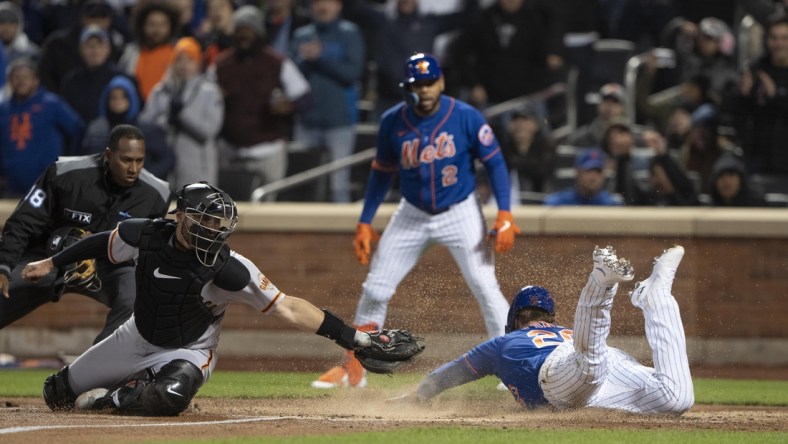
x=173, y=389
x=57, y=391
x=168, y=394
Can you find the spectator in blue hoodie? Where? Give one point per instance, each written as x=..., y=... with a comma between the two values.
x=330, y=54
x=36, y=127
x=120, y=103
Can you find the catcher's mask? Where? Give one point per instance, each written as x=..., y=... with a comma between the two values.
x=80, y=274
x=531, y=296
x=211, y=216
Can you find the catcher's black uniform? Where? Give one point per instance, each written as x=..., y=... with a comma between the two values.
x=78, y=192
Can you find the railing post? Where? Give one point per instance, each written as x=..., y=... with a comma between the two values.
x=630, y=85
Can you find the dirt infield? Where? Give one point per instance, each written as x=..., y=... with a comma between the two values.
x=25, y=420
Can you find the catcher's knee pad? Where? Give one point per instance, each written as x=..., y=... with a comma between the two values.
x=57, y=391
x=173, y=389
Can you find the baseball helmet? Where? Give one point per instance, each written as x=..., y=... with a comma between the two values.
x=80, y=274
x=422, y=67
x=531, y=296
x=211, y=215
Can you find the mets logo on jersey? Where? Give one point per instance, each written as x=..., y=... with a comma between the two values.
x=442, y=147
x=486, y=136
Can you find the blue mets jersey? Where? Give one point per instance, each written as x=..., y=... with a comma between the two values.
x=434, y=155
x=516, y=358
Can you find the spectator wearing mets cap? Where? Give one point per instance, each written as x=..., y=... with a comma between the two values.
x=610, y=109
x=589, y=182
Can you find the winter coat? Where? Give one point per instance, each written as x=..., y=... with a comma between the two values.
x=194, y=116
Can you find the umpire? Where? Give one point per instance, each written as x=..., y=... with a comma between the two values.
x=76, y=195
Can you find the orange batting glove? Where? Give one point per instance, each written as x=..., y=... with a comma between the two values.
x=504, y=231
x=365, y=235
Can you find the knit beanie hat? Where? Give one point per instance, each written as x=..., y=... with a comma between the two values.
x=188, y=46
x=251, y=17
x=10, y=13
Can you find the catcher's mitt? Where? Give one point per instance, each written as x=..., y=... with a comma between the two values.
x=80, y=275
x=389, y=350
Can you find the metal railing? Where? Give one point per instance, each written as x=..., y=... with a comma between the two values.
x=666, y=58
x=368, y=154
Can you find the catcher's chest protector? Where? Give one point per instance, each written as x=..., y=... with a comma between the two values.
x=169, y=310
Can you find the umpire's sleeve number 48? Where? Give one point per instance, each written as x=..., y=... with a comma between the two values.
x=544, y=338
x=36, y=197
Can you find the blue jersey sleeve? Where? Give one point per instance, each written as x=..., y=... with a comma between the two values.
x=459, y=371
x=488, y=150
x=481, y=359
x=383, y=169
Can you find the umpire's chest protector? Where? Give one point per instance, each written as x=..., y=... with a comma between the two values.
x=169, y=310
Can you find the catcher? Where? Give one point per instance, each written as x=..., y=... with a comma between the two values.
x=186, y=276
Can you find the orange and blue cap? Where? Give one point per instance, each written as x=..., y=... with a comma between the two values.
x=422, y=67
x=591, y=159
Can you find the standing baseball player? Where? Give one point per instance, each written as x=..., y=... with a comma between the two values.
x=543, y=363
x=77, y=195
x=431, y=141
x=186, y=276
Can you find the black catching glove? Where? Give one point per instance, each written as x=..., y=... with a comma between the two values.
x=389, y=350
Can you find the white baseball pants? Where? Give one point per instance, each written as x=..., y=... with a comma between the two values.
x=589, y=373
x=410, y=232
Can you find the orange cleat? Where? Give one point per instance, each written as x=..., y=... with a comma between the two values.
x=356, y=375
x=335, y=377
x=349, y=373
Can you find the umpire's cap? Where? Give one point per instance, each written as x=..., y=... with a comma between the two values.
x=532, y=296
x=422, y=67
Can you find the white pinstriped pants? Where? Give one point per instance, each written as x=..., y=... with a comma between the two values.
x=410, y=232
x=589, y=373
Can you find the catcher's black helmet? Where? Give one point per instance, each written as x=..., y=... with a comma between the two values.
x=211, y=215
x=80, y=274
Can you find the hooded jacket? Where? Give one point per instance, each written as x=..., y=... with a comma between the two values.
x=746, y=197
x=20, y=46
x=159, y=156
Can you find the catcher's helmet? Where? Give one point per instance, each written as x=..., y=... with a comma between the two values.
x=211, y=215
x=80, y=274
x=422, y=67
x=531, y=296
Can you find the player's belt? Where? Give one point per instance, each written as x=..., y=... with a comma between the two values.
x=433, y=212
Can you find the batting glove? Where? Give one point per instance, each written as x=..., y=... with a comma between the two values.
x=504, y=231
x=365, y=235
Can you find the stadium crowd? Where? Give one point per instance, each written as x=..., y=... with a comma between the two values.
x=227, y=88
